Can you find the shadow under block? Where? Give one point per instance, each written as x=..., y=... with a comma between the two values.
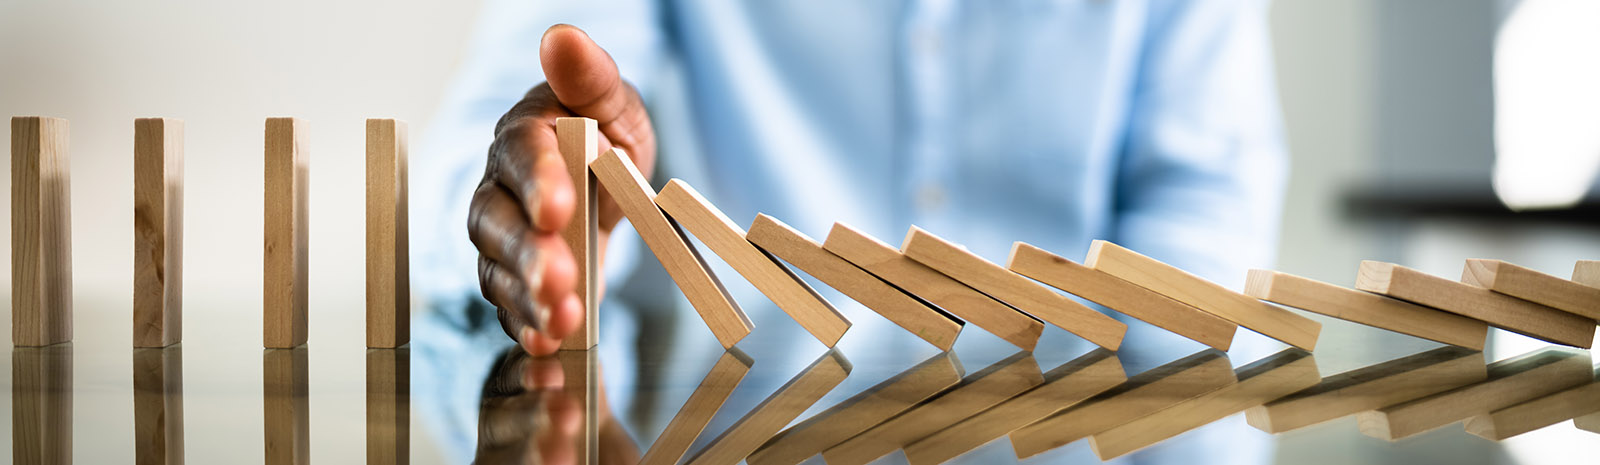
x=1366, y=308
x=1064, y=387
x=158, y=405
x=388, y=242
x=777, y=410
x=1586, y=272
x=976, y=393
x=287, y=217
x=697, y=412
x=41, y=405
x=1533, y=286
x=1122, y=296
x=1509, y=382
x=1498, y=310
x=1142, y=395
x=1537, y=413
x=287, y=414
x=617, y=174
x=1261, y=317
x=1369, y=388
x=157, y=232
x=887, y=263
x=389, y=406
x=41, y=232
x=727, y=240
x=912, y=314
x=1020, y=292
x=578, y=140
x=875, y=405
x=1269, y=378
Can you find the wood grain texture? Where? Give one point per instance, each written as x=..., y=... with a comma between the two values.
x=1498, y=310
x=1063, y=387
x=620, y=178
x=872, y=406
x=1586, y=272
x=691, y=419
x=158, y=405
x=1258, y=316
x=41, y=232
x=157, y=232
x=41, y=405
x=578, y=140
x=287, y=408
x=1122, y=296
x=726, y=239
x=909, y=312
x=287, y=222
x=1020, y=292
x=388, y=239
x=1372, y=387
x=1511, y=381
x=1538, y=413
x=1533, y=286
x=777, y=410
x=389, y=406
x=884, y=261
x=1366, y=308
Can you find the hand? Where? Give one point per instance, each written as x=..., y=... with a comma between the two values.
x=526, y=197
x=528, y=415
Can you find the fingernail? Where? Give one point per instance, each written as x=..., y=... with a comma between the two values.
x=527, y=340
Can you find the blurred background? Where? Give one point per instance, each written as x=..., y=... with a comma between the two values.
x=1394, y=119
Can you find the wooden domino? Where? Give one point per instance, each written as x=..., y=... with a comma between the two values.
x=1590, y=422
x=1366, y=308
x=578, y=140
x=970, y=269
x=616, y=173
x=287, y=409
x=1510, y=382
x=726, y=239
x=158, y=404
x=909, y=312
x=41, y=404
x=1182, y=286
x=747, y=434
x=1122, y=296
x=41, y=232
x=887, y=263
x=1537, y=413
x=697, y=412
x=1369, y=388
x=388, y=242
x=157, y=232
x=388, y=406
x=287, y=219
x=1587, y=272
x=1533, y=286
x=1498, y=310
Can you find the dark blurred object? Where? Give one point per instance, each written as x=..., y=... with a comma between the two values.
x=1425, y=200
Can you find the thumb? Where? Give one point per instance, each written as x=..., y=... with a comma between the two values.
x=583, y=76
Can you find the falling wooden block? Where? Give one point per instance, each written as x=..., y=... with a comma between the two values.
x=697, y=412
x=1366, y=308
x=157, y=232
x=777, y=410
x=1142, y=395
x=288, y=188
x=885, y=262
x=388, y=242
x=726, y=239
x=875, y=405
x=1533, y=286
x=158, y=405
x=1369, y=388
x=41, y=404
x=287, y=414
x=977, y=392
x=1498, y=310
x=41, y=232
x=970, y=269
x=913, y=314
x=1590, y=422
x=1587, y=272
x=1510, y=382
x=1122, y=296
x=1537, y=413
x=578, y=140
x=1269, y=378
x=616, y=173
x=1064, y=387
x=1182, y=286
x=389, y=406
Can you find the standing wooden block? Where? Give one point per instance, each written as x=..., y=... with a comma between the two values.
x=1121, y=296
x=578, y=140
x=745, y=435
x=157, y=232
x=697, y=412
x=41, y=405
x=41, y=232
x=1372, y=387
x=287, y=414
x=1366, y=308
x=1182, y=286
x=913, y=314
x=1533, y=286
x=1538, y=413
x=616, y=173
x=1587, y=272
x=726, y=239
x=158, y=405
x=885, y=262
x=1498, y=310
x=970, y=269
x=389, y=406
x=288, y=188
x=388, y=242
x=1510, y=382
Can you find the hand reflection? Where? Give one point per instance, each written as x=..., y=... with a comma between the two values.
x=537, y=410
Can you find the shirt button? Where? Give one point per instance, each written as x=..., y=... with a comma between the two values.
x=930, y=197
